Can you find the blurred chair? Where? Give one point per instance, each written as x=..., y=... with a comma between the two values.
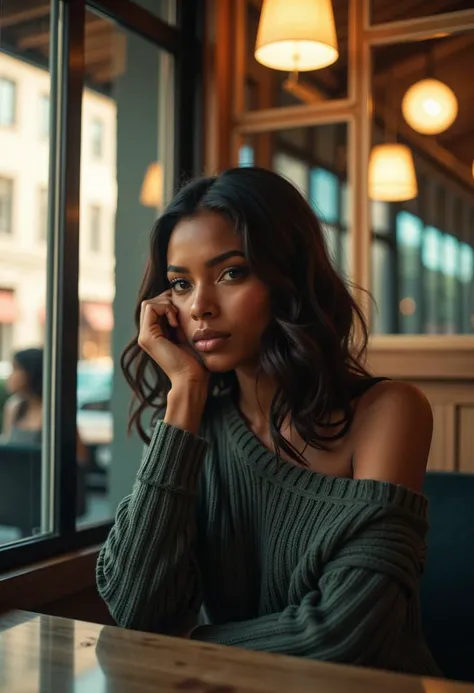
x=447, y=586
x=20, y=488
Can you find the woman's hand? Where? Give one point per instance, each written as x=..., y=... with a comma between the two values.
x=163, y=340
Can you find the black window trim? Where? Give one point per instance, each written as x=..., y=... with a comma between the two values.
x=184, y=42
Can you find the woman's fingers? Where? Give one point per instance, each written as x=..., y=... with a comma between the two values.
x=162, y=307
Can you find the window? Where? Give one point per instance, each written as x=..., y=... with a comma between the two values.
x=245, y=155
x=44, y=115
x=97, y=138
x=6, y=205
x=131, y=68
x=293, y=169
x=94, y=228
x=6, y=342
x=324, y=194
x=7, y=102
x=42, y=214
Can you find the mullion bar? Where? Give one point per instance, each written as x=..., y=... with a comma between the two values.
x=72, y=22
x=48, y=459
x=188, y=88
x=140, y=21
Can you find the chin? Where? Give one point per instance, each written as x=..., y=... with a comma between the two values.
x=219, y=363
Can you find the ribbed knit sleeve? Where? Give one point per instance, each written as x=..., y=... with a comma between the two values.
x=147, y=571
x=349, y=606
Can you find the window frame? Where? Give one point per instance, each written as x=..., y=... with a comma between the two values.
x=183, y=41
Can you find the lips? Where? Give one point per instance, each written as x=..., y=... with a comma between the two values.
x=209, y=340
x=205, y=335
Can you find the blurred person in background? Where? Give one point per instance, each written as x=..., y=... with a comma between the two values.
x=23, y=411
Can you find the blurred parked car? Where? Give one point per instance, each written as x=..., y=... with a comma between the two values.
x=94, y=418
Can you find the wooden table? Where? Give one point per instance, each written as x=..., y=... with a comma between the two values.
x=46, y=654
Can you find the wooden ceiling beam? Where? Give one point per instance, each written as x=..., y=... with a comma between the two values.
x=23, y=16
x=399, y=10
x=39, y=40
x=417, y=62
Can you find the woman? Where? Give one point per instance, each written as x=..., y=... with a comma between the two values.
x=23, y=412
x=280, y=493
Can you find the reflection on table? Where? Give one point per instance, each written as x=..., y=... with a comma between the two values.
x=46, y=654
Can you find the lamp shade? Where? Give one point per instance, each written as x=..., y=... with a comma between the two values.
x=151, y=194
x=392, y=175
x=429, y=106
x=296, y=35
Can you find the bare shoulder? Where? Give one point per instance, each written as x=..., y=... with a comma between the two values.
x=393, y=427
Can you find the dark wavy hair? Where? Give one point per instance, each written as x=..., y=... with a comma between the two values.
x=313, y=347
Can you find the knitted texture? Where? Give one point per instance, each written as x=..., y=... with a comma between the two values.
x=282, y=559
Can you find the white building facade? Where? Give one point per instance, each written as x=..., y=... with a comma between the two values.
x=24, y=168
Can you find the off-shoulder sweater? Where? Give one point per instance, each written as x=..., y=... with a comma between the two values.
x=281, y=558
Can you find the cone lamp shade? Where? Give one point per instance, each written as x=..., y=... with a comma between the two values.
x=429, y=106
x=151, y=194
x=296, y=35
x=392, y=176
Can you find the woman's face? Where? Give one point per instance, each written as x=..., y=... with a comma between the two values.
x=18, y=381
x=214, y=291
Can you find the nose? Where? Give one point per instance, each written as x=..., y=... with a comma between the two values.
x=203, y=305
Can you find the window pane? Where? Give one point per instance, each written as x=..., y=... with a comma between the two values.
x=422, y=201
x=42, y=213
x=124, y=183
x=313, y=159
x=383, y=11
x=96, y=129
x=409, y=234
x=265, y=87
x=95, y=228
x=325, y=194
x=382, y=287
x=164, y=9
x=6, y=205
x=44, y=115
x=293, y=169
x=24, y=170
x=7, y=100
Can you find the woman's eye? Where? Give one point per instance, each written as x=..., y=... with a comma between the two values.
x=234, y=273
x=179, y=285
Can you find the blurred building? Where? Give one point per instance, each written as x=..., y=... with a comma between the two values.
x=24, y=157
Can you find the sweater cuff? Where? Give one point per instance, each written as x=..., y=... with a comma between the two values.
x=174, y=458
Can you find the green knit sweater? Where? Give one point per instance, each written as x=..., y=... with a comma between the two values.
x=281, y=558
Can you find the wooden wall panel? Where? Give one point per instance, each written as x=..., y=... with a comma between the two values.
x=442, y=368
x=443, y=448
x=466, y=439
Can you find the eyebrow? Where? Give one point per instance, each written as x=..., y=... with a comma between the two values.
x=210, y=263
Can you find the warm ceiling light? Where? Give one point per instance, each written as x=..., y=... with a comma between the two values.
x=429, y=106
x=296, y=35
x=473, y=169
x=392, y=175
x=151, y=194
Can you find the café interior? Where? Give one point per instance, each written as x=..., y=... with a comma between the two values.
x=106, y=107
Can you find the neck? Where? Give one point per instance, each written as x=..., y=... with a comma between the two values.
x=255, y=395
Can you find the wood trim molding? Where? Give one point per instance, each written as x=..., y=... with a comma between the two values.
x=41, y=583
